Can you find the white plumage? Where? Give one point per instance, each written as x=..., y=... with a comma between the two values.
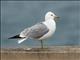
x=39, y=31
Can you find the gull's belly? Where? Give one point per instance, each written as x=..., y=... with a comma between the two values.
x=48, y=35
x=52, y=27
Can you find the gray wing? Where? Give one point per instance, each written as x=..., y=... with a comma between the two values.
x=35, y=31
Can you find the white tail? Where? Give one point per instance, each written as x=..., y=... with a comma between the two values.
x=21, y=40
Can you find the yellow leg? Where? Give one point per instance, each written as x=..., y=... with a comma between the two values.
x=41, y=44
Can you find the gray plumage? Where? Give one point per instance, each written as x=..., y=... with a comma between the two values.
x=35, y=31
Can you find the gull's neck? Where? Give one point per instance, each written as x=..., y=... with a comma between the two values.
x=50, y=23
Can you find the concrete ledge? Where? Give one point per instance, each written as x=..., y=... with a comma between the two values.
x=54, y=49
x=52, y=53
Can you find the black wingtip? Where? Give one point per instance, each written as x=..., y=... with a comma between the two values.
x=15, y=37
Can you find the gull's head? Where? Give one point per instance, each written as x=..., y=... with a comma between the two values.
x=50, y=15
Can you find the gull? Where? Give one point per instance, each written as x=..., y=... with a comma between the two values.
x=39, y=31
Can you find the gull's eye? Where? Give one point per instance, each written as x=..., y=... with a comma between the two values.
x=51, y=15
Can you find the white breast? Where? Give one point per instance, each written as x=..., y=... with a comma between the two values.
x=51, y=26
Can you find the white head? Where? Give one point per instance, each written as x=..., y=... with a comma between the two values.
x=50, y=15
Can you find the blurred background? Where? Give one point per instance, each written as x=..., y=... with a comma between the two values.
x=17, y=15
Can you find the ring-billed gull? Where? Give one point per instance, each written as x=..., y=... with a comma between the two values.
x=39, y=31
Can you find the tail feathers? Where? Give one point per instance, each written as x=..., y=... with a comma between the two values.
x=18, y=37
x=15, y=37
x=21, y=40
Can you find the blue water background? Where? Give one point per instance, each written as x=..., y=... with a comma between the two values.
x=17, y=15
